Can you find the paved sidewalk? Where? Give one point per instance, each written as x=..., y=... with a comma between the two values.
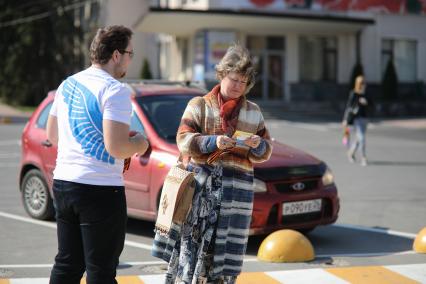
x=401, y=274
x=9, y=114
x=414, y=123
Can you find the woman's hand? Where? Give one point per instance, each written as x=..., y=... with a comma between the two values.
x=363, y=101
x=253, y=141
x=224, y=142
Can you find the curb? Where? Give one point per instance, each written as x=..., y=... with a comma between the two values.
x=13, y=119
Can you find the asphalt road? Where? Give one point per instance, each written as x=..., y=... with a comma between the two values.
x=383, y=206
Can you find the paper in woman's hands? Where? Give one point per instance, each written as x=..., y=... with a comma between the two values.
x=241, y=136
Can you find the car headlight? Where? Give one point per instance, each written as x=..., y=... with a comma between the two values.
x=259, y=186
x=327, y=178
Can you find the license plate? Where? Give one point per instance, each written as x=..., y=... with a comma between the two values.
x=301, y=207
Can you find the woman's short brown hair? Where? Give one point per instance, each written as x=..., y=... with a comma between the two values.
x=106, y=41
x=237, y=59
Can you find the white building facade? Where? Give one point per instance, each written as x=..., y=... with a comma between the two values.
x=305, y=50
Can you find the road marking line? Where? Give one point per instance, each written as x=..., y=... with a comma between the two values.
x=255, y=278
x=365, y=254
x=414, y=271
x=53, y=226
x=152, y=279
x=370, y=274
x=30, y=280
x=28, y=220
x=377, y=230
x=299, y=276
x=351, y=255
x=138, y=245
x=149, y=247
x=404, y=274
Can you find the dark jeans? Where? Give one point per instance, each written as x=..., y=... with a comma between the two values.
x=91, y=224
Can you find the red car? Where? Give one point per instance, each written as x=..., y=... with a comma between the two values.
x=292, y=190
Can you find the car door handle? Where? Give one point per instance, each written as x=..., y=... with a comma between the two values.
x=46, y=143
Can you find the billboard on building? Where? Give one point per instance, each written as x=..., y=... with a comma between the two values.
x=375, y=6
x=209, y=48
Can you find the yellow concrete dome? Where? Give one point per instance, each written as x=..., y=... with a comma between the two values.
x=419, y=244
x=286, y=246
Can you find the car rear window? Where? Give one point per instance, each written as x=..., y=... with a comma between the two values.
x=44, y=114
x=164, y=113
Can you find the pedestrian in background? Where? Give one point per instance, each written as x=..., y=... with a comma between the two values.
x=224, y=134
x=89, y=121
x=356, y=114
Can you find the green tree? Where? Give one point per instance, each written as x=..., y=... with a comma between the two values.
x=41, y=44
x=146, y=70
x=413, y=6
x=390, y=82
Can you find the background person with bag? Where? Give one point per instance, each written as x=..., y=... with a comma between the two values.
x=356, y=114
x=209, y=247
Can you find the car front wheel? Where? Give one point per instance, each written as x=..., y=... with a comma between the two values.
x=35, y=196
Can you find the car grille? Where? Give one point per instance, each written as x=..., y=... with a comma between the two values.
x=288, y=187
x=286, y=173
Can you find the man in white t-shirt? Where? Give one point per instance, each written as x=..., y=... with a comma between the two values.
x=89, y=121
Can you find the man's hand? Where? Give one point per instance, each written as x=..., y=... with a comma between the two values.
x=144, y=146
x=253, y=141
x=224, y=142
x=117, y=140
x=141, y=141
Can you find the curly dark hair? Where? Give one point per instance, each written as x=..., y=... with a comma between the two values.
x=106, y=41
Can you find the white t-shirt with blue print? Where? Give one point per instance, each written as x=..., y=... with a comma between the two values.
x=82, y=101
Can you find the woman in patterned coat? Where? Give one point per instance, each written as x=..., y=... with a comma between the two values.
x=224, y=134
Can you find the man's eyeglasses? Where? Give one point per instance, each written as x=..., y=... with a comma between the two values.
x=131, y=53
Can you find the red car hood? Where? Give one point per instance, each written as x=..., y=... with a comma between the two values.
x=282, y=156
x=286, y=156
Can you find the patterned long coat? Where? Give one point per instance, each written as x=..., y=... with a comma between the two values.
x=224, y=194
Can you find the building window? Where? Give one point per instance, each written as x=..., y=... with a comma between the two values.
x=268, y=55
x=404, y=55
x=318, y=59
x=261, y=43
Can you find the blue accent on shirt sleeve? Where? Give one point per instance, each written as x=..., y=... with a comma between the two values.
x=208, y=144
x=259, y=150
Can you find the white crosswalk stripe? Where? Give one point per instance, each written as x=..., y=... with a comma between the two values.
x=317, y=276
x=408, y=273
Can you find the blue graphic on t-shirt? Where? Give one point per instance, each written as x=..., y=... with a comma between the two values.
x=85, y=119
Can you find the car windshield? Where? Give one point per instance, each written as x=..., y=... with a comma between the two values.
x=164, y=112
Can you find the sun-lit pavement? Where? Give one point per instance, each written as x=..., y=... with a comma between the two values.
x=372, y=242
